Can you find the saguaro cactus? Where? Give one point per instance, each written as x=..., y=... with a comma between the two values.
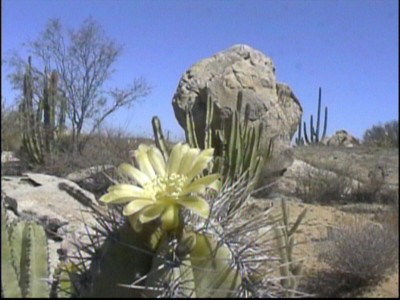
x=39, y=129
x=314, y=134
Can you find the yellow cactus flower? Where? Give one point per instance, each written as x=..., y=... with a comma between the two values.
x=163, y=187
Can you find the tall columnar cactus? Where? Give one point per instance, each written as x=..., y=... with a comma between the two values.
x=299, y=140
x=25, y=261
x=314, y=134
x=38, y=124
x=290, y=268
x=236, y=143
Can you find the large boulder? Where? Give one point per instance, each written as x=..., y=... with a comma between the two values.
x=342, y=138
x=58, y=204
x=225, y=74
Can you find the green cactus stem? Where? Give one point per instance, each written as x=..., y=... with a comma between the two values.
x=159, y=137
x=299, y=140
x=290, y=268
x=315, y=138
x=203, y=271
x=236, y=142
x=38, y=125
x=25, y=260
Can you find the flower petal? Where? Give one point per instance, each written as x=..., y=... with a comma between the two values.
x=176, y=156
x=112, y=198
x=157, y=160
x=170, y=218
x=135, y=206
x=152, y=212
x=188, y=160
x=200, y=163
x=143, y=161
x=135, y=223
x=199, y=185
x=196, y=204
x=117, y=196
x=135, y=174
x=123, y=187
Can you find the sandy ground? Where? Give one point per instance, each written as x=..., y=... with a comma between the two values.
x=313, y=229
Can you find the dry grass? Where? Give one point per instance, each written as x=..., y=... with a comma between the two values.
x=361, y=251
x=323, y=187
x=112, y=147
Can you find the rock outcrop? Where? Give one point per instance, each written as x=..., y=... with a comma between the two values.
x=239, y=69
x=60, y=205
x=342, y=138
x=10, y=164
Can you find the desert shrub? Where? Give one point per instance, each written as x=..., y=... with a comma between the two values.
x=386, y=135
x=322, y=186
x=109, y=147
x=10, y=130
x=390, y=216
x=361, y=252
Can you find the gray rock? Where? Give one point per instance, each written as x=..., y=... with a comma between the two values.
x=10, y=164
x=239, y=69
x=92, y=179
x=342, y=138
x=60, y=205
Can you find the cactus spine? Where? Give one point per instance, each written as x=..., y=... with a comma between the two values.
x=314, y=134
x=39, y=132
x=25, y=262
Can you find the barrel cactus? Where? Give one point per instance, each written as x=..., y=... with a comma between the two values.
x=174, y=239
x=173, y=228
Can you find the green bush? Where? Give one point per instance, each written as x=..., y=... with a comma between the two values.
x=386, y=135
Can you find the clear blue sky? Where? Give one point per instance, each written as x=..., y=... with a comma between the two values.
x=348, y=47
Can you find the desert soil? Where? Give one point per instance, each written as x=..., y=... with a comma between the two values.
x=313, y=229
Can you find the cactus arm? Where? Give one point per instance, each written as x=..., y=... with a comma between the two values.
x=236, y=142
x=204, y=272
x=190, y=129
x=315, y=137
x=46, y=115
x=318, y=115
x=34, y=262
x=299, y=140
x=305, y=134
x=168, y=268
x=9, y=278
x=38, y=124
x=213, y=275
x=313, y=134
x=159, y=137
x=16, y=245
x=209, y=117
x=325, y=123
x=289, y=268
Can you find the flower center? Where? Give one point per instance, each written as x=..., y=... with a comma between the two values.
x=167, y=187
